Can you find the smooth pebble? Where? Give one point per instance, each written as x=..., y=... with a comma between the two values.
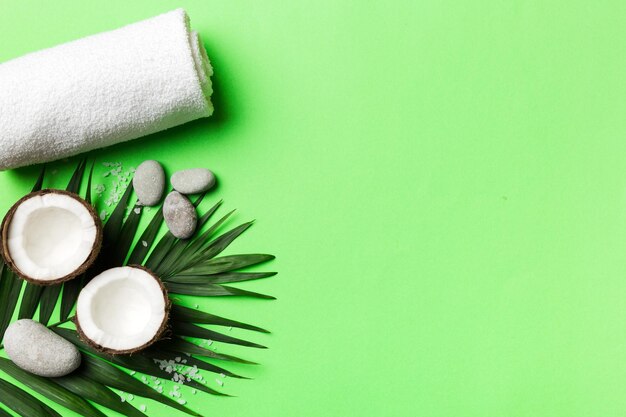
x=193, y=181
x=149, y=183
x=38, y=350
x=180, y=215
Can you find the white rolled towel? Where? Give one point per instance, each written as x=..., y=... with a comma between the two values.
x=102, y=89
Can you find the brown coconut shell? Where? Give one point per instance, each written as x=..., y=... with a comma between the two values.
x=95, y=250
x=158, y=335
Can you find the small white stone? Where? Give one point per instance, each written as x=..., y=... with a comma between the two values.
x=193, y=181
x=149, y=183
x=180, y=215
x=38, y=350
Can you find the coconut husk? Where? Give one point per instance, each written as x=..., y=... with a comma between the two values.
x=77, y=272
x=157, y=336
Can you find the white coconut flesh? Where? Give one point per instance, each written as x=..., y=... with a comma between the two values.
x=121, y=309
x=50, y=236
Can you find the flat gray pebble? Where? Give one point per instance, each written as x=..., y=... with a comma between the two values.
x=180, y=215
x=149, y=183
x=38, y=350
x=193, y=181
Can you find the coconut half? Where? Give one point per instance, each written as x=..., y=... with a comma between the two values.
x=122, y=310
x=51, y=236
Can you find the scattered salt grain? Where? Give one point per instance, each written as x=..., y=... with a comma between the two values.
x=122, y=399
x=133, y=372
x=103, y=215
x=182, y=402
x=193, y=391
x=144, y=243
x=219, y=382
x=137, y=210
x=159, y=389
x=131, y=397
x=223, y=376
x=142, y=407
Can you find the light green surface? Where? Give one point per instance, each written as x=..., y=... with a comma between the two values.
x=443, y=182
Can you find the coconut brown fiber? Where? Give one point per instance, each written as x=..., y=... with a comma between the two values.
x=95, y=250
x=158, y=335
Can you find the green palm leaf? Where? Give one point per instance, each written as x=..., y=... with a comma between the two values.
x=23, y=403
x=188, y=267
x=49, y=389
x=10, y=288
x=212, y=290
x=184, y=314
x=178, y=344
x=98, y=393
x=226, y=264
x=191, y=330
x=148, y=236
x=30, y=300
x=222, y=278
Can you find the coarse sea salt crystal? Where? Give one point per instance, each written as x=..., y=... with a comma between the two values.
x=144, y=243
x=137, y=210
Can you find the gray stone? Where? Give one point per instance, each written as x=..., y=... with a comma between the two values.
x=149, y=183
x=180, y=215
x=38, y=350
x=193, y=181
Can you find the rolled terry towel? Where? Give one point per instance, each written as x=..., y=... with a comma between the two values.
x=102, y=89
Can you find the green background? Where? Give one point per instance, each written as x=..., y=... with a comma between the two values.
x=443, y=182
